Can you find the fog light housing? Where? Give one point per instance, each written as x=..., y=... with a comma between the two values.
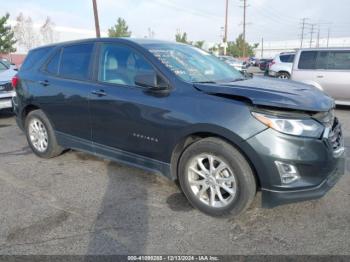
x=288, y=173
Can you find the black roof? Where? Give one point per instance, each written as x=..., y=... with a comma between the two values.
x=139, y=41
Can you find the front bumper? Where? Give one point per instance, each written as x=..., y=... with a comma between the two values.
x=271, y=198
x=319, y=166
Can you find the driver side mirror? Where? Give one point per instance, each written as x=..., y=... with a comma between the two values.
x=150, y=80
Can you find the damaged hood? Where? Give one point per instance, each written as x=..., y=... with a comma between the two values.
x=273, y=92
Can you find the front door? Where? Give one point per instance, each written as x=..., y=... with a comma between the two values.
x=125, y=117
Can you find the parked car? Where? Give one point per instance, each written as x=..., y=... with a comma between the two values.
x=176, y=110
x=264, y=63
x=281, y=65
x=252, y=61
x=326, y=69
x=235, y=63
x=8, y=64
x=6, y=89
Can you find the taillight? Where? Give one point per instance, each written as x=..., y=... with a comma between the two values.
x=14, y=81
x=273, y=62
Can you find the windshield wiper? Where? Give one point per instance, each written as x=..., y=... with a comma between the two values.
x=204, y=82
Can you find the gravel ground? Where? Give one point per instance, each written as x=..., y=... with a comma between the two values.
x=79, y=204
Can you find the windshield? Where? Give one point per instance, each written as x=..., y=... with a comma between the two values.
x=192, y=64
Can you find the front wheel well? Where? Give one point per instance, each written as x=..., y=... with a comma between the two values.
x=190, y=139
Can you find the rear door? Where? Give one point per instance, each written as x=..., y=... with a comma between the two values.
x=64, y=89
x=336, y=79
x=311, y=68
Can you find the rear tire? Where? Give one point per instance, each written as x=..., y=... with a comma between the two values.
x=216, y=178
x=41, y=136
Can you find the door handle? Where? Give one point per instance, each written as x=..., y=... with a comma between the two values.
x=99, y=93
x=320, y=76
x=44, y=83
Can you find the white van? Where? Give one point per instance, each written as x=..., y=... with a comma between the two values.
x=327, y=69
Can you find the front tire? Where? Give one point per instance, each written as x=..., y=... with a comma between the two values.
x=216, y=178
x=41, y=136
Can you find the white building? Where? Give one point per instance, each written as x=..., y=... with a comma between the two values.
x=272, y=48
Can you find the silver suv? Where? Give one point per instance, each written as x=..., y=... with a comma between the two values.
x=281, y=65
x=326, y=69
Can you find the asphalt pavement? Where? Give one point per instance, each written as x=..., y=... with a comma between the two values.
x=79, y=204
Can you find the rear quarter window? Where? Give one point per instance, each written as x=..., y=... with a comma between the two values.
x=34, y=57
x=287, y=58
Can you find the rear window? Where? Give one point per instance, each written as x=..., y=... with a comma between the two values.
x=3, y=67
x=34, y=57
x=75, y=61
x=287, y=58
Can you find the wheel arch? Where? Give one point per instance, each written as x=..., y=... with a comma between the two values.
x=26, y=110
x=284, y=71
x=191, y=138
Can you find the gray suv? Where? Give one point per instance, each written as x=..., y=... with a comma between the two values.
x=326, y=69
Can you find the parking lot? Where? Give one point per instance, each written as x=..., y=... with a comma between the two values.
x=79, y=204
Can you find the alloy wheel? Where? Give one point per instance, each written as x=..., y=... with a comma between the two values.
x=212, y=180
x=38, y=135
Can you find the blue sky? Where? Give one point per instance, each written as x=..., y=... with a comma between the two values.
x=201, y=19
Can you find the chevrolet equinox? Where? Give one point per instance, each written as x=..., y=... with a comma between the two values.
x=178, y=111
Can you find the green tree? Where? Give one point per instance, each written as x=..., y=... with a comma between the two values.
x=7, y=39
x=120, y=29
x=182, y=38
x=239, y=47
x=199, y=44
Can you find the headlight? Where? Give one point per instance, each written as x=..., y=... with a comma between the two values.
x=291, y=126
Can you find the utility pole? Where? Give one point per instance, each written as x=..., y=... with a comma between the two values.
x=312, y=33
x=244, y=24
x=262, y=47
x=328, y=35
x=302, y=31
x=318, y=37
x=97, y=23
x=225, y=33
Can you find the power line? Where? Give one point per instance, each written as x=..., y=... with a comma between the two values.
x=312, y=31
x=302, y=31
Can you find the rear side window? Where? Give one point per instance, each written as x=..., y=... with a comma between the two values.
x=34, y=57
x=339, y=60
x=287, y=58
x=52, y=66
x=307, y=60
x=75, y=61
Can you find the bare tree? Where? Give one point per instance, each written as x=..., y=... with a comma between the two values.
x=47, y=31
x=24, y=32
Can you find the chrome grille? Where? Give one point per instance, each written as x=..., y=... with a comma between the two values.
x=335, y=135
x=5, y=87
